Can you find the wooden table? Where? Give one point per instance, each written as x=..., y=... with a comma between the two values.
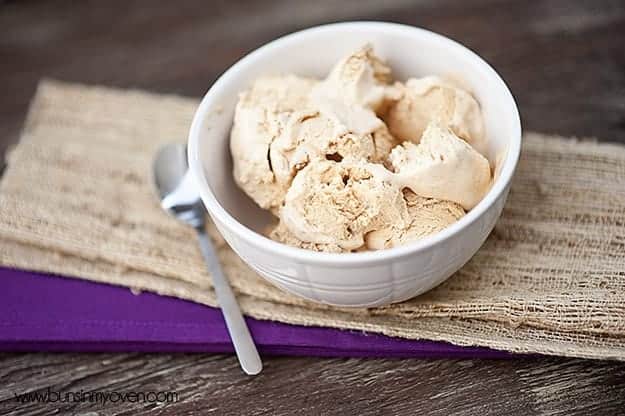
x=565, y=63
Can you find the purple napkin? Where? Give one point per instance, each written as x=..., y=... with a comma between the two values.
x=42, y=312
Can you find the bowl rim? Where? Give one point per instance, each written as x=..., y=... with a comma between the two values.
x=219, y=213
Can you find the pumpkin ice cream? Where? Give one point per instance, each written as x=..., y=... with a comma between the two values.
x=432, y=98
x=355, y=162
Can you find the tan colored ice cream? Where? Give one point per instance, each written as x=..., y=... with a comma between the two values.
x=441, y=166
x=279, y=232
x=360, y=80
x=339, y=203
x=320, y=157
x=311, y=135
x=347, y=226
x=282, y=123
x=433, y=98
x=260, y=117
x=427, y=216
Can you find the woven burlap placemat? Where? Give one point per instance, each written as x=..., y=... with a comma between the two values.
x=77, y=200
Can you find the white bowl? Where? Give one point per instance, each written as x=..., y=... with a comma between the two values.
x=352, y=279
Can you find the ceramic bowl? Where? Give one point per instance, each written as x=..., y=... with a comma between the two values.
x=363, y=279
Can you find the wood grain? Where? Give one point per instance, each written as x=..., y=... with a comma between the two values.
x=302, y=386
x=565, y=63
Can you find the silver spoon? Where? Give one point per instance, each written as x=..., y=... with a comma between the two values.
x=179, y=197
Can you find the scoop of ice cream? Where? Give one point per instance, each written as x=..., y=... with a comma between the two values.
x=427, y=216
x=433, y=98
x=361, y=79
x=259, y=118
x=441, y=166
x=311, y=135
x=339, y=203
x=355, y=90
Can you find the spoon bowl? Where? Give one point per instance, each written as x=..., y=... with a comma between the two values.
x=175, y=185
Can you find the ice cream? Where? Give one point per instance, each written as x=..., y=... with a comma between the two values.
x=279, y=232
x=426, y=216
x=336, y=217
x=442, y=166
x=359, y=81
x=339, y=203
x=433, y=98
x=283, y=123
x=354, y=162
x=259, y=118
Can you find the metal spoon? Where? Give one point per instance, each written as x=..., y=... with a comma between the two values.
x=179, y=197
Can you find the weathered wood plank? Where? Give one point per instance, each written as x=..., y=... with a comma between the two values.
x=209, y=383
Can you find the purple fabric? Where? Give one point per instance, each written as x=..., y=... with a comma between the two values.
x=42, y=312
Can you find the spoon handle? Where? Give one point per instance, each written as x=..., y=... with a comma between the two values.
x=239, y=333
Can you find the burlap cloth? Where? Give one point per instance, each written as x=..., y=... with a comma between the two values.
x=77, y=200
